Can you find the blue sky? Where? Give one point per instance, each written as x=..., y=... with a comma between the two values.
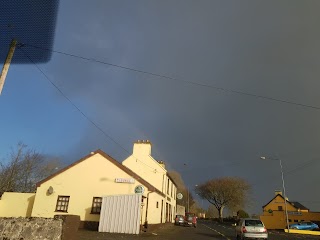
x=231, y=45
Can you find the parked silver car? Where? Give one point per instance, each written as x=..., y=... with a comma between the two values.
x=179, y=220
x=251, y=229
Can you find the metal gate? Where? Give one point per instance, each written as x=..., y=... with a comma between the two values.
x=120, y=214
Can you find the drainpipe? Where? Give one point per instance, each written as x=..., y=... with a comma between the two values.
x=147, y=206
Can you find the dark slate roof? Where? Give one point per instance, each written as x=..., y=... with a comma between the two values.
x=299, y=205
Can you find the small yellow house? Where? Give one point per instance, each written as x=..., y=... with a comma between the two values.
x=80, y=188
x=274, y=214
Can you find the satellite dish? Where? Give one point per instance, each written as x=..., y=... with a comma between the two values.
x=179, y=196
x=50, y=190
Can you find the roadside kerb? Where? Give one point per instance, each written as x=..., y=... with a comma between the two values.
x=303, y=232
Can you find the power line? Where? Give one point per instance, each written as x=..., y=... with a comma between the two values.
x=301, y=166
x=309, y=201
x=82, y=113
x=179, y=80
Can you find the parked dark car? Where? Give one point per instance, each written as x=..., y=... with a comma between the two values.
x=179, y=220
x=304, y=226
x=190, y=220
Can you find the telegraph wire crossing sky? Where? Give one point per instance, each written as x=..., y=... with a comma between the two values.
x=175, y=79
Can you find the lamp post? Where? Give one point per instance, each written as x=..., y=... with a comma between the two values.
x=283, y=187
x=188, y=192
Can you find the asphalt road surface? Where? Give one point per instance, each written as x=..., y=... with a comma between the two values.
x=206, y=230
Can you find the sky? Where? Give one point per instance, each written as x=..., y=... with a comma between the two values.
x=194, y=61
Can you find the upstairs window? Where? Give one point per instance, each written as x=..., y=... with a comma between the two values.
x=168, y=186
x=62, y=203
x=96, y=205
x=280, y=208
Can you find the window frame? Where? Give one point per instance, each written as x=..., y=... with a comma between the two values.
x=94, y=208
x=59, y=204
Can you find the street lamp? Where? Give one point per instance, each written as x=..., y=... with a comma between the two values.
x=283, y=187
x=188, y=192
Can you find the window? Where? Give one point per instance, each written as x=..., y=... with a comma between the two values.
x=290, y=220
x=157, y=205
x=96, y=205
x=171, y=189
x=280, y=208
x=295, y=220
x=168, y=187
x=254, y=223
x=62, y=204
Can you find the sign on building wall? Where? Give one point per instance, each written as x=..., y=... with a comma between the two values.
x=294, y=213
x=139, y=189
x=179, y=196
x=124, y=180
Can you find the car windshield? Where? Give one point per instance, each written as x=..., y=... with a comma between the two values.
x=190, y=215
x=253, y=223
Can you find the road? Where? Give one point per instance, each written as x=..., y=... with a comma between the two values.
x=228, y=232
x=206, y=230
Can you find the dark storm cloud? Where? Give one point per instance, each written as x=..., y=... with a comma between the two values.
x=267, y=48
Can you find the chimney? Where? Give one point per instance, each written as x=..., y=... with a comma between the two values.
x=142, y=147
x=162, y=164
x=276, y=192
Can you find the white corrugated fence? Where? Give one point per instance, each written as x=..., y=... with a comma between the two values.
x=120, y=214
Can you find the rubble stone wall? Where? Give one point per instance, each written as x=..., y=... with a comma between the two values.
x=30, y=228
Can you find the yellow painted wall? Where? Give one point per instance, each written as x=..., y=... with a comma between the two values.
x=149, y=170
x=93, y=177
x=154, y=212
x=142, y=163
x=277, y=219
x=16, y=204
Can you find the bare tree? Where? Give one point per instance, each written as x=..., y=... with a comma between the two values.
x=24, y=168
x=224, y=192
x=212, y=212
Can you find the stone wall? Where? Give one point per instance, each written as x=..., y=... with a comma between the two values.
x=30, y=228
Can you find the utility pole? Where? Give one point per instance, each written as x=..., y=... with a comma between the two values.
x=283, y=188
x=6, y=64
